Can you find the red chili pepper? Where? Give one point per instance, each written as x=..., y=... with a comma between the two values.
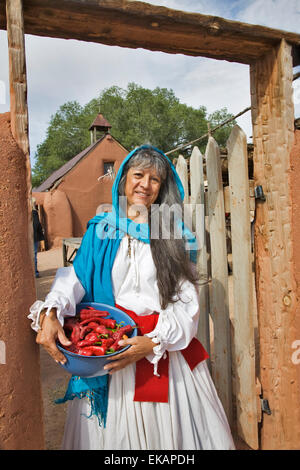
x=85, y=352
x=69, y=324
x=72, y=348
x=101, y=330
x=92, y=319
x=93, y=351
x=91, y=337
x=75, y=335
x=83, y=343
x=91, y=334
x=89, y=340
x=93, y=324
x=116, y=346
x=125, y=330
x=84, y=330
x=118, y=335
x=108, y=322
x=107, y=342
x=91, y=312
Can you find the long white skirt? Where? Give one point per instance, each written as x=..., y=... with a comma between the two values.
x=193, y=419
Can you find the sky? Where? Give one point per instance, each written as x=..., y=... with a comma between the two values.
x=61, y=70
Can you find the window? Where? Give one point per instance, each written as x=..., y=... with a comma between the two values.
x=108, y=168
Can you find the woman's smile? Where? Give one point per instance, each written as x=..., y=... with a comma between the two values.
x=142, y=186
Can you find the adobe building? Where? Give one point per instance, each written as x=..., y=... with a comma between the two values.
x=71, y=195
x=271, y=56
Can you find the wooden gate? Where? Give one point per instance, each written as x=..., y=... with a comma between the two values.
x=227, y=321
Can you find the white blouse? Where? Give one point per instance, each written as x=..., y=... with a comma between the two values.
x=135, y=288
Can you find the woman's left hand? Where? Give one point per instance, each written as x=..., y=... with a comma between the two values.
x=141, y=346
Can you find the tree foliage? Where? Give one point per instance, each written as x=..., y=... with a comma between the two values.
x=138, y=115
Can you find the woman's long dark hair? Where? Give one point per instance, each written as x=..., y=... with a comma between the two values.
x=170, y=257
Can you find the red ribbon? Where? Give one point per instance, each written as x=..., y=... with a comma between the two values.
x=149, y=387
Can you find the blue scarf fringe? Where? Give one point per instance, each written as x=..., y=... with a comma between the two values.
x=93, y=388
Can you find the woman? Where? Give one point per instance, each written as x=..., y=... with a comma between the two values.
x=160, y=393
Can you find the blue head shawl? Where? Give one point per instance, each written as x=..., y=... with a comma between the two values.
x=93, y=266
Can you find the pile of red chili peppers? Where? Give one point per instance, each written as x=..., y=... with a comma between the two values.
x=94, y=335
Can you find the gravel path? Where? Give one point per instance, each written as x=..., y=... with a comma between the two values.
x=53, y=377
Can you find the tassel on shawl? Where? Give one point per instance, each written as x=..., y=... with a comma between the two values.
x=93, y=388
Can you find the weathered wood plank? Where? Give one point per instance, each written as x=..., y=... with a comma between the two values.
x=18, y=94
x=198, y=201
x=219, y=303
x=244, y=350
x=276, y=274
x=182, y=170
x=137, y=24
x=17, y=74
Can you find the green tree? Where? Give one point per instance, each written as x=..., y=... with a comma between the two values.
x=221, y=135
x=138, y=115
x=66, y=136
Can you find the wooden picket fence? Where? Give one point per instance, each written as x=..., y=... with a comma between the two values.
x=227, y=303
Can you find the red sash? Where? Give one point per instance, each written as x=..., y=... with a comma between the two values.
x=149, y=387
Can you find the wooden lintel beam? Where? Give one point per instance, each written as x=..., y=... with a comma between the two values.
x=140, y=25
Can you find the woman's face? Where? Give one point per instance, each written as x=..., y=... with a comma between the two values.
x=142, y=186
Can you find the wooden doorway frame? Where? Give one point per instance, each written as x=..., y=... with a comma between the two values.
x=271, y=55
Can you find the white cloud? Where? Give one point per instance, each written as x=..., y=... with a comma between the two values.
x=225, y=8
x=62, y=70
x=218, y=84
x=280, y=14
x=277, y=14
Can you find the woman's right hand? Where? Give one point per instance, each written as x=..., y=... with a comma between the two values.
x=51, y=331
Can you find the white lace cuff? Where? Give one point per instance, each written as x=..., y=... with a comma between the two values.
x=66, y=292
x=38, y=306
x=159, y=351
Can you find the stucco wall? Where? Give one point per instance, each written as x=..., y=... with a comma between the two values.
x=21, y=424
x=58, y=222
x=74, y=202
x=82, y=187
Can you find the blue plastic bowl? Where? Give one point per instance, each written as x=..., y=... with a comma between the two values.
x=92, y=366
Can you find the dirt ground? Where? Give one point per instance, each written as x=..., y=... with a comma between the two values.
x=54, y=378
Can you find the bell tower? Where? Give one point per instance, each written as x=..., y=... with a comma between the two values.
x=99, y=127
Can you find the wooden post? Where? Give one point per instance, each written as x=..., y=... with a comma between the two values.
x=18, y=93
x=20, y=394
x=182, y=171
x=17, y=73
x=198, y=200
x=219, y=303
x=243, y=316
x=273, y=134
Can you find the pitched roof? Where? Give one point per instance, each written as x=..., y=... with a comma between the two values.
x=56, y=175
x=100, y=121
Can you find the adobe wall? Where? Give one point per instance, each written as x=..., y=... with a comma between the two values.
x=58, y=222
x=82, y=187
x=21, y=424
x=69, y=207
